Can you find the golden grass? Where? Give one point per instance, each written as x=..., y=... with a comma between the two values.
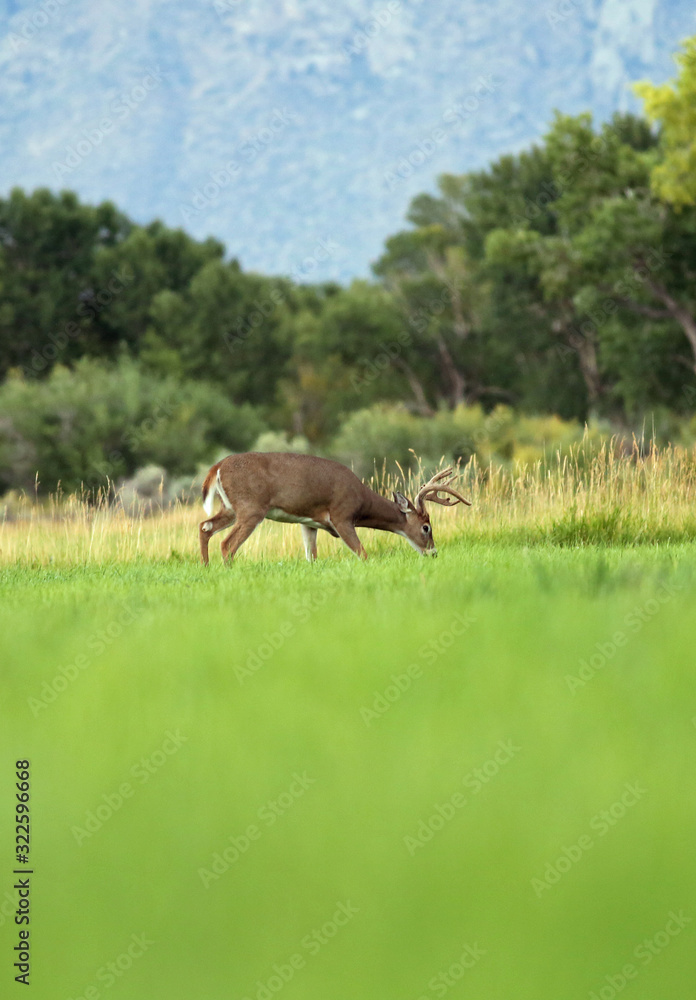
x=624, y=497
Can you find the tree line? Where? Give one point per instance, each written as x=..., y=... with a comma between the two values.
x=559, y=280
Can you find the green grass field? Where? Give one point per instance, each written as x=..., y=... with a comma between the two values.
x=468, y=777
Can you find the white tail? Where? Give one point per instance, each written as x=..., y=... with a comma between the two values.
x=210, y=489
x=317, y=494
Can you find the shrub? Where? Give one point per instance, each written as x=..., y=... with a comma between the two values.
x=95, y=421
x=388, y=433
x=277, y=441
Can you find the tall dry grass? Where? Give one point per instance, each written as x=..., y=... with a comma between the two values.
x=608, y=496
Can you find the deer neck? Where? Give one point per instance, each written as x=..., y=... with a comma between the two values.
x=378, y=512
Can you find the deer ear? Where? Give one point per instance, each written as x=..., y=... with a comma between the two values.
x=403, y=503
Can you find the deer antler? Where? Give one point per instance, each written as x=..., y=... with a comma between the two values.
x=432, y=497
x=429, y=492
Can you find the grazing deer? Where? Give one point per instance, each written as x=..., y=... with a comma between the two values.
x=315, y=493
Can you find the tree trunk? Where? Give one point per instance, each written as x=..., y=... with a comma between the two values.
x=586, y=350
x=461, y=328
x=585, y=346
x=422, y=404
x=677, y=311
x=298, y=421
x=452, y=374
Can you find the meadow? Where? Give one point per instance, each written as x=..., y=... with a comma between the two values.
x=403, y=778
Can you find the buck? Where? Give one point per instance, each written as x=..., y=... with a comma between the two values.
x=317, y=494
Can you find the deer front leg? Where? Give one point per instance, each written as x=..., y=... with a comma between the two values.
x=349, y=535
x=207, y=528
x=309, y=537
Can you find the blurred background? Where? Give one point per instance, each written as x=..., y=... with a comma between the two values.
x=350, y=229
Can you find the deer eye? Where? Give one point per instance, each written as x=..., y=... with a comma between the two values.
x=426, y=529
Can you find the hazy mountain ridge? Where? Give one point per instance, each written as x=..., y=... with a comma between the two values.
x=302, y=112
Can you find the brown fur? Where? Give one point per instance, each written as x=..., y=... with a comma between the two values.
x=305, y=486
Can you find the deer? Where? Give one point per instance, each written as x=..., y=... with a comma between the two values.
x=318, y=494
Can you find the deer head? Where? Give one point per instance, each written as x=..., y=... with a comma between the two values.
x=418, y=531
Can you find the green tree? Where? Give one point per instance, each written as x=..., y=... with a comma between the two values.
x=613, y=277
x=621, y=256
x=226, y=327
x=487, y=334
x=349, y=347
x=47, y=245
x=673, y=107
x=439, y=292
x=127, y=277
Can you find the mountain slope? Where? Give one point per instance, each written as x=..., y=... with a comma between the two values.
x=282, y=126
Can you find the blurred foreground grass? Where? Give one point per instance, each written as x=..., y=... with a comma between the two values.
x=397, y=779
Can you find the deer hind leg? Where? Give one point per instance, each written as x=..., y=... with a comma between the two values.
x=309, y=537
x=349, y=535
x=207, y=528
x=245, y=524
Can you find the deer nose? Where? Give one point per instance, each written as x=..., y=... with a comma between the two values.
x=430, y=552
